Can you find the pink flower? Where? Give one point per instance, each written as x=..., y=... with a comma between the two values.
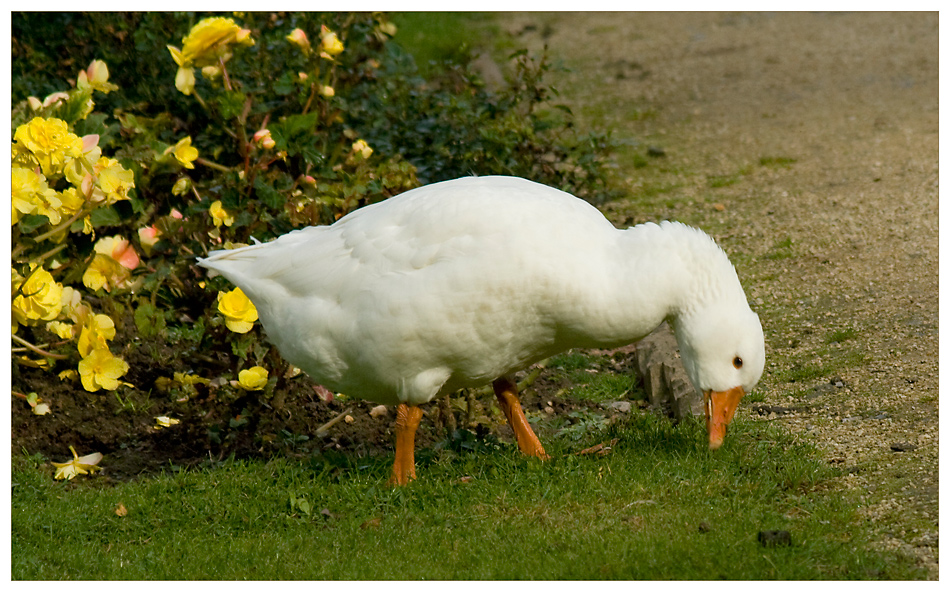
x=120, y=250
x=263, y=138
x=148, y=236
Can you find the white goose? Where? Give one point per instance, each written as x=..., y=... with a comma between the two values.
x=463, y=282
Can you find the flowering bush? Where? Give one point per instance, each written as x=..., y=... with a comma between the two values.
x=58, y=181
x=235, y=127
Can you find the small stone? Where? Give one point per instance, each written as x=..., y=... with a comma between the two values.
x=621, y=406
x=821, y=389
x=379, y=411
x=903, y=446
x=349, y=419
x=549, y=410
x=775, y=538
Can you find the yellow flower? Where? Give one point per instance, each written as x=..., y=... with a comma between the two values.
x=112, y=183
x=299, y=38
x=47, y=202
x=211, y=72
x=68, y=374
x=80, y=465
x=47, y=143
x=71, y=201
x=182, y=186
x=190, y=379
x=219, y=215
x=388, y=29
x=73, y=307
x=106, y=273
x=39, y=298
x=330, y=44
x=61, y=329
x=100, y=369
x=206, y=43
x=97, y=330
x=184, y=152
x=110, y=267
x=252, y=379
x=163, y=421
x=78, y=169
x=184, y=79
x=96, y=77
x=31, y=195
x=37, y=405
x=29, y=192
x=239, y=312
x=362, y=149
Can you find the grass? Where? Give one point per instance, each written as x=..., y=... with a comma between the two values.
x=434, y=37
x=658, y=506
x=783, y=249
x=584, y=372
x=777, y=161
x=841, y=335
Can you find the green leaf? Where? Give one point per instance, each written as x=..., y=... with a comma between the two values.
x=149, y=320
x=284, y=85
x=105, y=216
x=31, y=222
x=270, y=196
x=94, y=123
x=231, y=104
x=241, y=345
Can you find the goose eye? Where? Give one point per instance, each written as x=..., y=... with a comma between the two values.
x=737, y=362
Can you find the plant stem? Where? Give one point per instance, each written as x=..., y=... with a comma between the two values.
x=64, y=226
x=213, y=165
x=48, y=254
x=35, y=349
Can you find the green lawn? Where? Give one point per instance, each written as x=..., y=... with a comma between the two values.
x=658, y=506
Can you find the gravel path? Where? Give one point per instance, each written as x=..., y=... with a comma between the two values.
x=808, y=145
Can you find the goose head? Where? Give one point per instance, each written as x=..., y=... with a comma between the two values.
x=723, y=351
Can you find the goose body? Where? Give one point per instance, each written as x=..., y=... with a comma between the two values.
x=460, y=283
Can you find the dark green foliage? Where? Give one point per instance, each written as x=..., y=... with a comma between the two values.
x=420, y=129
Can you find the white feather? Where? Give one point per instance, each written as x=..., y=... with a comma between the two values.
x=461, y=282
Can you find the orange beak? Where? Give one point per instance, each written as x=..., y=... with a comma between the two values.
x=720, y=407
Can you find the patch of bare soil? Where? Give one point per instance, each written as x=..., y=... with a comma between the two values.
x=299, y=419
x=807, y=143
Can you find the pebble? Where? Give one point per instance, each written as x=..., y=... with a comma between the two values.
x=621, y=406
x=903, y=446
x=775, y=538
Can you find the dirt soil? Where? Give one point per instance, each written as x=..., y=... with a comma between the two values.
x=807, y=143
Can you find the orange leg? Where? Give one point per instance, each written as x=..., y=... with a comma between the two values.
x=507, y=393
x=404, y=467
